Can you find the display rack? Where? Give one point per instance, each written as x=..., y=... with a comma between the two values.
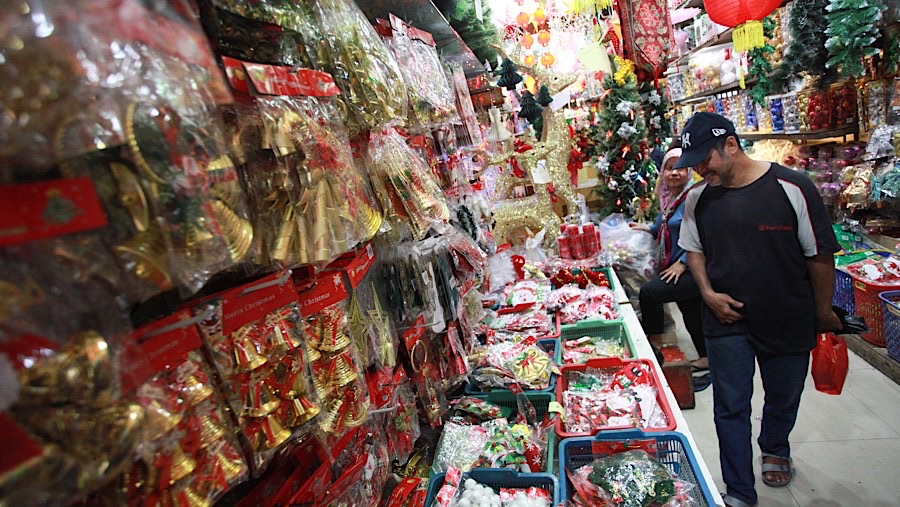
x=719, y=39
x=842, y=132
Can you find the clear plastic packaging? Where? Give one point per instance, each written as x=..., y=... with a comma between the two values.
x=350, y=49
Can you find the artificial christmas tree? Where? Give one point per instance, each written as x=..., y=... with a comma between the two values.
x=626, y=173
x=509, y=75
x=655, y=107
x=852, y=32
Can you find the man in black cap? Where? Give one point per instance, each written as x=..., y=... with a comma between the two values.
x=760, y=246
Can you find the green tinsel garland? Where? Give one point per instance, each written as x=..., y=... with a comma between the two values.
x=760, y=66
x=852, y=33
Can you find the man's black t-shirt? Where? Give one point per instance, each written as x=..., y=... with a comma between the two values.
x=757, y=240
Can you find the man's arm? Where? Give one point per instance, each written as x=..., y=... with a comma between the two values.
x=722, y=305
x=821, y=275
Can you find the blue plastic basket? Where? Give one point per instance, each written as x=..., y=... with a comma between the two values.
x=891, y=311
x=497, y=479
x=597, y=330
x=843, y=292
x=551, y=345
x=672, y=450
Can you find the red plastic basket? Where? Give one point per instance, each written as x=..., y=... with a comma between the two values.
x=611, y=365
x=868, y=306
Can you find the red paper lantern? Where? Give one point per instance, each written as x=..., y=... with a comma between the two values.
x=745, y=16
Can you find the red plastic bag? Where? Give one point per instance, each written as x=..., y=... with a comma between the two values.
x=830, y=364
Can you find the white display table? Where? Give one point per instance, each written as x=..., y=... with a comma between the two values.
x=644, y=351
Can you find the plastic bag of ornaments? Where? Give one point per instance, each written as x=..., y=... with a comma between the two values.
x=433, y=102
x=255, y=338
x=190, y=448
x=135, y=116
x=526, y=362
x=405, y=186
x=320, y=200
x=350, y=49
x=460, y=490
x=612, y=397
x=631, y=478
x=61, y=343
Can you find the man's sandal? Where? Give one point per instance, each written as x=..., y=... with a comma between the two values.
x=731, y=501
x=785, y=467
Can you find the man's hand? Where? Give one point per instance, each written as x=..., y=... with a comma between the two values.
x=827, y=320
x=673, y=272
x=723, y=307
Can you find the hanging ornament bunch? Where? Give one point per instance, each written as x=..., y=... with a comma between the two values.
x=852, y=33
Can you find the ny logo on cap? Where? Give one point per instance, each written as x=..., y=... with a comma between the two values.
x=686, y=140
x=718, y=132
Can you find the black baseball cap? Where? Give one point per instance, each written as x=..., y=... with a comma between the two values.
x=699, y=135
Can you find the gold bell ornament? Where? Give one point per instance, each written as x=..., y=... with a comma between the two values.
x=231, y=466
x=300, y=411
x=261, y=400
x=160, y=419
x=237, y=232
x=282, y=336
x=193, y=391
x=342, y=370
x=178, y=464
x=270, y=434
x=210, y=430
x=145, y=255
x=245, y=354
x=186, y=497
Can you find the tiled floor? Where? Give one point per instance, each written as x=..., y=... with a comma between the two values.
x=846, y=448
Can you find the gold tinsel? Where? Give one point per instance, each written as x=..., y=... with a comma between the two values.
x=624, y=68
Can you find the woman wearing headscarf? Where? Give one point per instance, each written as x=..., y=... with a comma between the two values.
x=675, y=282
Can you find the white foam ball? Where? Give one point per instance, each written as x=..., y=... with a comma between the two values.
x=728, y=78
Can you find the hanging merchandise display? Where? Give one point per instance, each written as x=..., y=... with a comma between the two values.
x=852, y=35
x=430, y=96
x=647, y=35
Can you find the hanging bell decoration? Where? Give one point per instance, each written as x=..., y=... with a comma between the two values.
x=343, y=371
x=160, y=419
x=245, y=354
x=145, y=256
x=193, y=391
x=300, y=411
x=210, y=430
x=282, y=336
x=237, y=232
x=186, y=497
x=179, y=464
x=357, y=408
x=330, y=422
x=270, y=434
x=231, y=467
x=261, y=400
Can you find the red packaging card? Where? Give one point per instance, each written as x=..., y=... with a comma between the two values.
x=48, y=209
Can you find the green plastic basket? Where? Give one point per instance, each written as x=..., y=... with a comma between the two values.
x=597, y=329
x=506, y=400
